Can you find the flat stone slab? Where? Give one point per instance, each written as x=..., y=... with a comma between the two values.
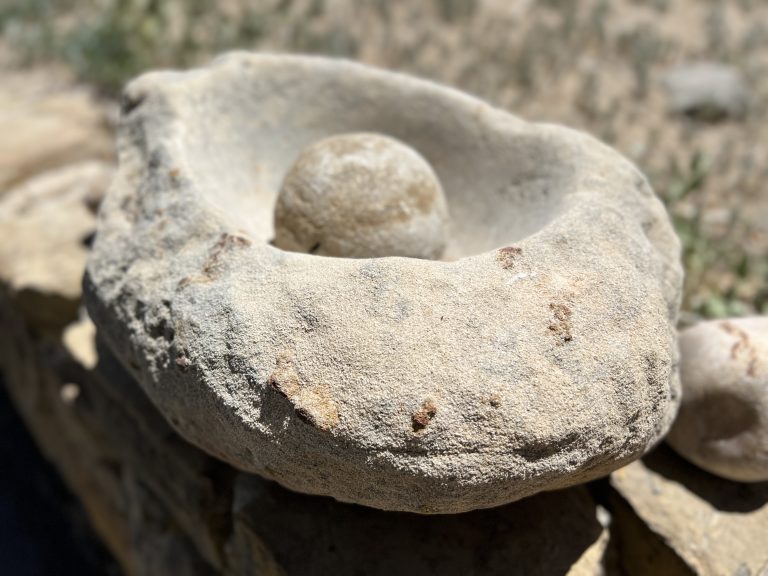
x=540, y=353
x=551, y=533
x=707, y=91
x=711, y=525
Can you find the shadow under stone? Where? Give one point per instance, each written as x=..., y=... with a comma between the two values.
x=43, y=529
x=725, y=495
x=543, y=534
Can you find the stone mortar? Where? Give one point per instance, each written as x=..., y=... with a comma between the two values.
x=539, y=353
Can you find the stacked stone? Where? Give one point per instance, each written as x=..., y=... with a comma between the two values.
x=163, y=506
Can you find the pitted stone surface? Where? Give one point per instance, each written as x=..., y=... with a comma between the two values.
x=723, y=422
x=541, y=353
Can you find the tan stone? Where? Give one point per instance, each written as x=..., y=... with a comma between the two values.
x=79, y=339
x=162, y=506
x=541, y=354
x=713, y=526
x=46, y=124
x=47, y=223
x=361, y=196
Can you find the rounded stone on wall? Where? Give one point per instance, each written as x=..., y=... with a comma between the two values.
x=722, y=425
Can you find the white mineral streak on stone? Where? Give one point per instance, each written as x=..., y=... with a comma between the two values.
x=522, y=276
x=382, y=381
x=723, y=422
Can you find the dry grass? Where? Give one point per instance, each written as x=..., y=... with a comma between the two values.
x=591, y=64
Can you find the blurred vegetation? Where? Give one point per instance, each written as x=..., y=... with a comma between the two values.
x=107, y=43
x=722, y=279
x=567, y=62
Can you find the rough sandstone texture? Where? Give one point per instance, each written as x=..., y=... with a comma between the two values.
x=361, y=196
x=540, y=354
x=723, y=420
x=164, y=507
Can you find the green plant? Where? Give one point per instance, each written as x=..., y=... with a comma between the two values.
x=107, y=43
x=117, y=45
x=721, y=278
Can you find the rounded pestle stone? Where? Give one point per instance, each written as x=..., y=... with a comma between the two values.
x=361, y=196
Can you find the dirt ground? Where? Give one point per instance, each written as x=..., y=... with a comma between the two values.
x=596, y=65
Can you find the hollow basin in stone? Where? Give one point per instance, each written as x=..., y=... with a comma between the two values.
x=540, y=352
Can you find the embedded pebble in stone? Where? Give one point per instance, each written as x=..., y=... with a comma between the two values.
x=361, y=196
x=723, y=421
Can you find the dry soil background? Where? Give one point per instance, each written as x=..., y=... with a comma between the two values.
x=598, y=65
